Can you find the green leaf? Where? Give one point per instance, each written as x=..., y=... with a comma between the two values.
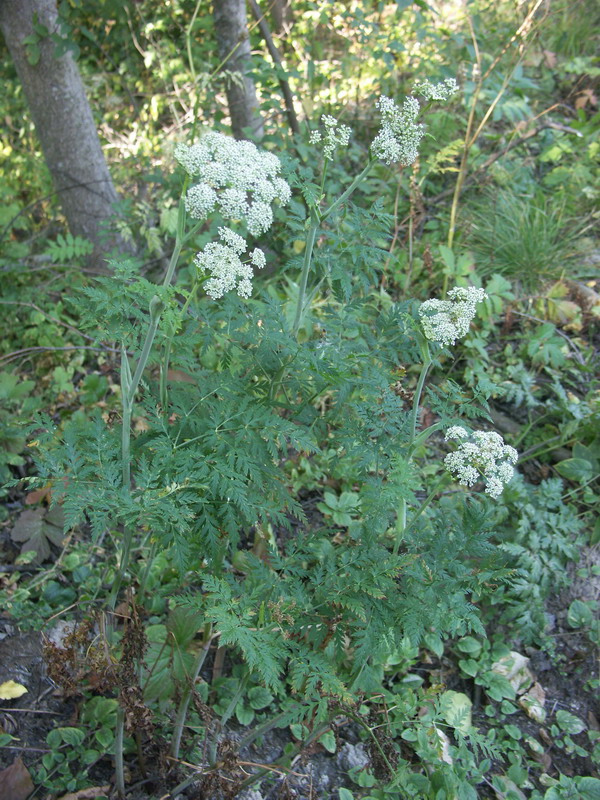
x=569, y=723
x=33, y=53
x=595, y=537
x=576, y=469
x=328, y=741
x=105, y=738
x=259, y=697
x=434, y=643
x=469, y=666
x=72, y=736
x=456, y=710
x=53, y=739
x=183, y=624
x=244, y=715
x=345, y=794
x=90, y=756
x=498, y=687
x=299, y=731
x=470, y=645
x=579, y=614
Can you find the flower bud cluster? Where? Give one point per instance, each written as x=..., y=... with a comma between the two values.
x=227, y=270
x=481, y=455
x=400, y=135
x=335, y=135
x=235, y=178
x=445, y=321
x=437, y=91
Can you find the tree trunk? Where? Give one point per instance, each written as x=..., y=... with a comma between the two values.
x=233, y=44
x=281, y=11
x=64, y=123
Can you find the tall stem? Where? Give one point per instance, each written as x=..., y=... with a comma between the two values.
x=308, y=251
x=119, y=768
x=187, y=696
x=417, y=398
x=401, y=517
x=316, y=219
x=343, y=197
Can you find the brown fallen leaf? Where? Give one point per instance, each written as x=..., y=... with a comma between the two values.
x=36, y=528
x=87, y=794
x=15, y=782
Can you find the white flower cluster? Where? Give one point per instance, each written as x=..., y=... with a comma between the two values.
x=400, y=134
x=222, y=262
x=437, y=91
x=335, y=135
x=483, y=456
x=235, y=177
x=445, y=321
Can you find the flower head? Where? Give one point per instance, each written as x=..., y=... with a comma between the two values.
x=400, y=134
x=445, y=321
x=335, y=135
x=235, y=178
x=437, y=91
x=222, y=261
x=481, y=455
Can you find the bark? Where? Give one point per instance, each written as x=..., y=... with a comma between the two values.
x=233, y=43
x=281, y=11
x=64, y=124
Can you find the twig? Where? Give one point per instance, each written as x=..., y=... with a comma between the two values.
x=52, y=319
x=16, y=353
x=274, y=53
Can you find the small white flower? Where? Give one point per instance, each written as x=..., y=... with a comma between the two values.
x=227, y=271
x=437, y=91
x=456, y=432
x=234, y=240
x=235, y=177
x=335, y=136
x=257, y=258
x=200, y=201
x=400, y=135
x=484, y=457
x=445, y=321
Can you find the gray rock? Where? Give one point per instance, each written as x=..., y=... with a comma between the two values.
x=351, y=756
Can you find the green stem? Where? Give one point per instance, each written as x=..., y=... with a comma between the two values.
x=417, y=398
x=443, y=480
x=187, y=696
x=343, y=197
x=119, y=770
x=308, y=251
x=401, y=517
x=316, y=219
x=164, y=368
x=364, y=725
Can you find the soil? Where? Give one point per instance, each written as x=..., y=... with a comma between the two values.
x=314, y=774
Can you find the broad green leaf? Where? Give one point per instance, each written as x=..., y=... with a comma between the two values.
x=456, y=710
x=576, y=469
x=569, y=723
x=328, y=741
x=259, y=697
x=579, y=614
